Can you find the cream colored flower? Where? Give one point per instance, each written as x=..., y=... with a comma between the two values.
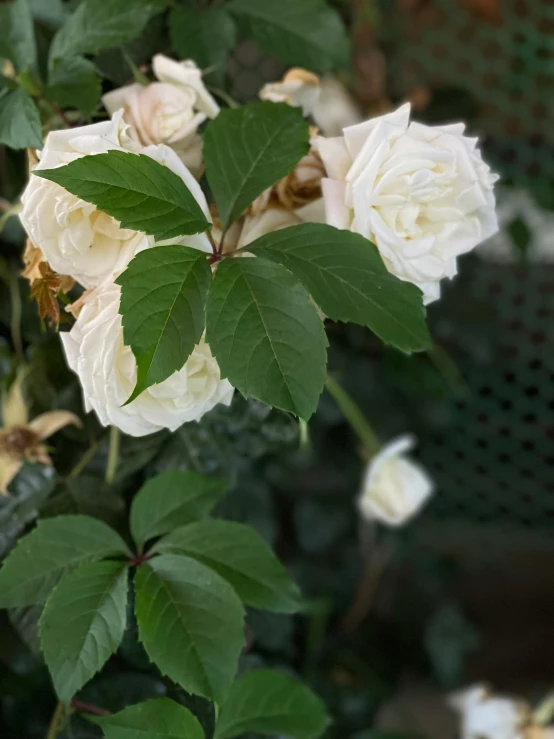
x=394, y=488
x=335, y=108
x=298, y=88
x=487, y=716
x=107, y=370
x=20, y=439
x=421, y=194
x=168, y=111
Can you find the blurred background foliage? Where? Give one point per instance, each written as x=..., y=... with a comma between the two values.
x=466, y=591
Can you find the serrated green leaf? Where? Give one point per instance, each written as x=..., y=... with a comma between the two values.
x=242, y=557
x=159, y=718
x=100, y=25
x=20, y=126
x=53, y=549
x=248, y=149
x=163, y=300
x=306, y=33
x=134, y=189
x=204, y=35
x=191, y=623
x=83, y=624
x=173, y=499
x=266, y=335
x=17, y=39
x=268, y=702
x=346, y=277
x=73, y=82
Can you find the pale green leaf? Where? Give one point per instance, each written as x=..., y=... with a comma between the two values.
x=268, y=702
x=304, y=33
x=248, y=149
x=17, y=37
x=191, y=623
x=346, y=277
x=134, y=189
x=172, y=499
x=266, y=335
x=20, y=126
x=73, y=83
x=55, y=547
x=163, y=300
x=83, y=624
x=159, y=718
x=242, y=557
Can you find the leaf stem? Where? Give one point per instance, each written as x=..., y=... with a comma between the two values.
x=15, y=325
x=56, y=722
x=89, y=708
x=87, y=457
x=353, y=415
x=113, y=454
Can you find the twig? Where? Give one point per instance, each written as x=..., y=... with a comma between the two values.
x=87, y=457
x=88, y=708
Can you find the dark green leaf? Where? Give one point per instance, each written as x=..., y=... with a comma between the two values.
x=159, y=718
x=73, y=83
x=17, y=37
x=191, y=623
x=163, y=301
x=242, y=557
x=83, y=624
x=50, y=12
x=172, y=499
x=266, y=335
x=20, y=126
x=248, y=149
x=55, y=547
x=268, y=702
x=306, y=33
x=206, y=36
x=346, y=277
x=134, y=189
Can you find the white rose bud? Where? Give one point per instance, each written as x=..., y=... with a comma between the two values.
x=486, y=716
x=107, y=370
x=75, y=237
x=298, y=88
x=394, y=488
x=168, y=111
x=421, y=194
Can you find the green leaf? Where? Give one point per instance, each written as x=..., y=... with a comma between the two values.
x=55, y=547
x=20, y=126
x=242, y=557
x=134, y=189
x=191, y=623
x=73, y=83
x=206, y=35
x=304, y=33
x=248, y=149
x=173, y=499
x=346, y=277
x=100, y=25
x=266, y=335
x=17, y=39
x=269, y=702
x=159, y=718
x=83, y=624
x=163, y=301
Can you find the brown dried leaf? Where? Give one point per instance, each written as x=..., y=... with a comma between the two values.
x=44, y=291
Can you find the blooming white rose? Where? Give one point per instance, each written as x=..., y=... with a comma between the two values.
x=486, y=716
x=107, y=370
x=421, y=194
x=75, y=237
x=298, y=88
x=168, y=111
x=394, y=487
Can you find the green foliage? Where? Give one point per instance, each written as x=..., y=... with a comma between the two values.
x=73, y=82
x=163, y=297
x=268, y=702
x=346, y=277
x=136, y=190
x=266, y=335
x=308, y=34
x=172, y=499
x=191, y=623
x=19, y=120
x=83, y=624
x=248, y=149
x=153, y=719
x=17, y=40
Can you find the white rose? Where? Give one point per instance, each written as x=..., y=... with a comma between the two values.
x=421, y=194
x=335, y=108
x=107, y=370
x=394, y=488
x=168, y=111
x=298, y=88
x=77, y=239
x=485, y=716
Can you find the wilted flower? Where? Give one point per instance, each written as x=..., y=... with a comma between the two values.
x=335, y=109
x=298, y=88
x=487, y=716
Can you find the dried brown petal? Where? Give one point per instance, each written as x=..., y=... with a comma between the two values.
x=44, y=291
